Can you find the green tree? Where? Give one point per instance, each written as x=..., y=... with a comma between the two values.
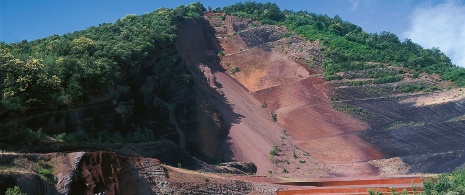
x=82, y=45
x=25, y=83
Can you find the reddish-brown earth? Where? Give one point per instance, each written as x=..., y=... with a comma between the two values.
x=272, y=74
x=240, y=111
x=111, y=173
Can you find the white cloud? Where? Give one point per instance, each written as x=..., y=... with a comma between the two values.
x=355, y=3
x=442, y=26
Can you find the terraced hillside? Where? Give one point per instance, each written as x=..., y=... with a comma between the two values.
x=254, y=133
x=408, y=117
x=361, y=122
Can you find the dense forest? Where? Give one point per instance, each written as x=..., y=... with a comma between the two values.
x=348, y=47
x=58, y=72
x=63, y=70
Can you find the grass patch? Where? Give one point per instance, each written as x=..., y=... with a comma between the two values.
x=358, y=111
x=6, y=168
x=459, y=118
x=401, y=124
x=44, y=169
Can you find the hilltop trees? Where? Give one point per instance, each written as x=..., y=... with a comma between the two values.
x=63, y=70
x=268, y=12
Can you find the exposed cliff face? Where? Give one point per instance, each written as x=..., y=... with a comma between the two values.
x=123, y=169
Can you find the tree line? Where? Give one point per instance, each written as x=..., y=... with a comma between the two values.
x=69, y=69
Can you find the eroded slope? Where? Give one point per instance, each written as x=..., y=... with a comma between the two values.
x=271, y=80
x=358, y=124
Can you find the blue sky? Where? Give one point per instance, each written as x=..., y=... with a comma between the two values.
x=424, y=21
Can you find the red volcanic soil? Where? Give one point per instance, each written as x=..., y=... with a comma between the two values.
x=303, y=109
x=261, y=69
x=299, y=97
x=252, y=133
x=277, y=75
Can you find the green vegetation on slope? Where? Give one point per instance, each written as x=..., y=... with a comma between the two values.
x=348, y=47
x=446, y=183
x=14, y=191
x=68, y=69
x=81, y=67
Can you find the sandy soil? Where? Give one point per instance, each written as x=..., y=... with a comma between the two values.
x=437, y=97
x=261, y=69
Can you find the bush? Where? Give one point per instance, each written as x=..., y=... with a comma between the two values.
x=16, y=135
x=137, y=136
x=233, y=70
x=44, y=169
x=285, y=170
x=14, y=191
x=274, y=116
x=447, y=183
x=274, y=151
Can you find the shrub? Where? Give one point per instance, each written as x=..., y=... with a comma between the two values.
x=372, y=192
x=16, y=135
x=14, y=191
x=447, y=183
x=44, y=169
x=274, y=116
x=234, y=70
x=274, y=151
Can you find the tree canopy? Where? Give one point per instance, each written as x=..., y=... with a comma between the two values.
x=63, y=70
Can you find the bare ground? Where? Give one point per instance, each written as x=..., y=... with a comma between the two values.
x=273, y=69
